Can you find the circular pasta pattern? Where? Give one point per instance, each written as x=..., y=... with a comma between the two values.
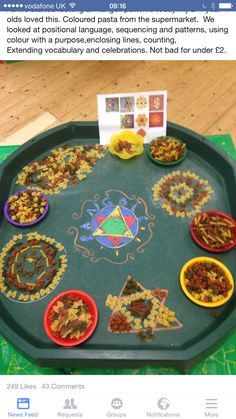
x=182, y=193
x=31, y=266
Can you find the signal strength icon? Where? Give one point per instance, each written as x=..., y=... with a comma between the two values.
x=72, y=5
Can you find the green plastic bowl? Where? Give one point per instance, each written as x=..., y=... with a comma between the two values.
x=164, y=163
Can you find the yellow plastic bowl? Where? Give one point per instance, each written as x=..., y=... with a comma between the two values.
x=130, y=137
x=203, y=303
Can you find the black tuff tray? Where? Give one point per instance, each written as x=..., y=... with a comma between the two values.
x=158, y=266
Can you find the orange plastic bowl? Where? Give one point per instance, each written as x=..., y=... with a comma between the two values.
x=92, y=308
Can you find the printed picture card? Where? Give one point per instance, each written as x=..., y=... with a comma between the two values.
x=144, y=113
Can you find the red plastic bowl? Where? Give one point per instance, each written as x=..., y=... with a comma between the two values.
x=210, y=249
x=93, y=310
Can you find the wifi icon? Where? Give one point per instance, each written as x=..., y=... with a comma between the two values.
x=72, y=5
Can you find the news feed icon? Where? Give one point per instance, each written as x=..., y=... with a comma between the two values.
x=23, y=403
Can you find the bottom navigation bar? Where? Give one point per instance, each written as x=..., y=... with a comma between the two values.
x=100, y=397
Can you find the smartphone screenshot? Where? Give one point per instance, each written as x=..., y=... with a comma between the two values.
x=118, y=209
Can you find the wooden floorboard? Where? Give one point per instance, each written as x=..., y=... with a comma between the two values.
x=37, y=95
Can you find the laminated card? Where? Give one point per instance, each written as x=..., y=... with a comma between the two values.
x=144, y=113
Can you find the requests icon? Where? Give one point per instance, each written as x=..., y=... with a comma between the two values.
x=23, y=403
x=69, y=404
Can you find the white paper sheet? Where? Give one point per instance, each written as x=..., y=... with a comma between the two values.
x=143, y=112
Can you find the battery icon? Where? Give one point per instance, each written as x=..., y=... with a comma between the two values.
x=226, y=6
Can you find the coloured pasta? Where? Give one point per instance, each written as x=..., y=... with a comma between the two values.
x=63, y=166
x=31, y=266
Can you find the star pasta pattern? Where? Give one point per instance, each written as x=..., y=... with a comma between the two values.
x=141, y=311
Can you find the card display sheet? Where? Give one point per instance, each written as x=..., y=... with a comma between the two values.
x=144, y=113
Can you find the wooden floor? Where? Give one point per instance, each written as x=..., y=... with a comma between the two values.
x=37, y=95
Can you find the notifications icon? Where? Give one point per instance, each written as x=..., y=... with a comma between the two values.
x=163, y=403
x=23, y=403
